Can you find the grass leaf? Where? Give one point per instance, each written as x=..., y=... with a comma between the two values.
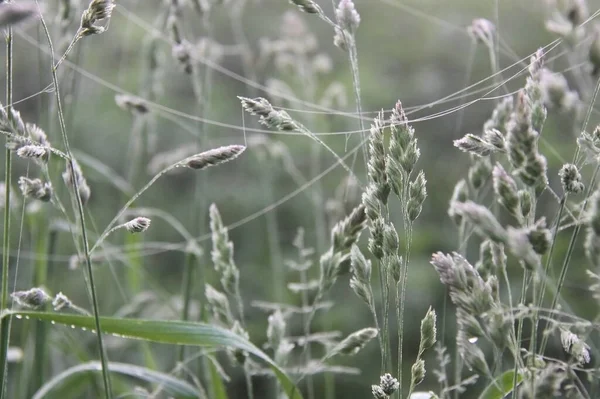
x=501, y=386
x=175, y=386
x=168, y=332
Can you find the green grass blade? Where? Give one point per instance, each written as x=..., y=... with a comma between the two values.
x=175, y=386
x=218, y=388
x=168, y=332
x=501, y=386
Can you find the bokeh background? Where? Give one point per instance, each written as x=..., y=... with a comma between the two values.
x=418, y=52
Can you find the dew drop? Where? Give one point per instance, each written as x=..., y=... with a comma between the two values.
x=473, y=340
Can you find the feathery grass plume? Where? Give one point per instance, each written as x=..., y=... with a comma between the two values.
x=474, y=145
x=270, y=117
x=131, y=104
x=500, y=117
x=570, y=178
x=11, y=120
x=520, y=138
x=222, y=253
x=15, y=13
x=533, y=88
x=467, y=288
x=347, y=16
x=482, y=30
x=371, y=203
x=346, y=232
x=37, y=135
x=485, y=265
x=417, y=192
x=540, y=236
x=376, y=228
x=218, y=305
x=387, y=385
x=376, y=166
x=138, y=225
x=35, y=188
x=403, y=151
x=360, y=282
x=378, y=392
x=589, y=145
x=519, y=244
x=353, y=343
x=479, y=172
x=525, y=202
x=213, y=157
x=34, y=152
x=308, y=6
x=506, y=191
x=556, y=93
x=574, y=346
x=75, y=175
x=181, y=49
x=34, y=298
x=97, y=10
x=61, y=301
x=428, y=331
x=495, y=138
x=417, y=372
x=482, y=220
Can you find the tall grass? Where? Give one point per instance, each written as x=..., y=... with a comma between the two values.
x=345, y=266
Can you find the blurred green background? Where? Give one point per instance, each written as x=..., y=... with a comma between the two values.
x=415, y=51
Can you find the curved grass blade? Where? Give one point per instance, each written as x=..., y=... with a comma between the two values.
x=174, y=386
x=168, y=332
x=501, y=386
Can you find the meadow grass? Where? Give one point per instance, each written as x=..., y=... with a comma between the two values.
x=525, y=215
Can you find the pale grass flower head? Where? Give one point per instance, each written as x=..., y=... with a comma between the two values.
x=482, y=30
x=214, y=157
x=574, y=346
x=35, y=188
x=138, y=225
x=34, y=298
x=347, y=15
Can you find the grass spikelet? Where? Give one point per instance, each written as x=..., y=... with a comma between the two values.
x=34, y=298
x=353, y=343
x=137, y=225
x=35, y=188
x=97, y=10
x=213, y=157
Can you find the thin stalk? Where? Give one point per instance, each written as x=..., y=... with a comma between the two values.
x=92, y=287
x=520, y=329
x=6, y=321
